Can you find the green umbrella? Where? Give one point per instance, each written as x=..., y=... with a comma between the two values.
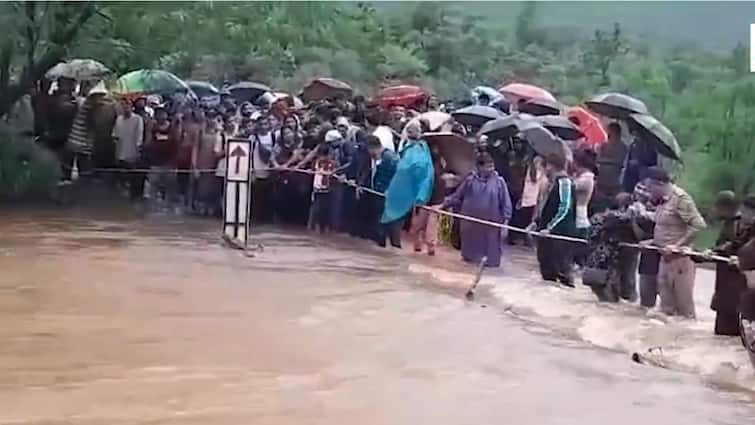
x=616, y=105
x=649, y=128
x=149, y=81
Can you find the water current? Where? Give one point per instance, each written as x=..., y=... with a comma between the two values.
x=113, y=317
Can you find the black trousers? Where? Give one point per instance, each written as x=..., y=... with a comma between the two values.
x=262, y=201
x=556, y=260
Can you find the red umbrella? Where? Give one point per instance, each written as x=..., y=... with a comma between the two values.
x=588, y=124
x=404, y=95
x=516, y=91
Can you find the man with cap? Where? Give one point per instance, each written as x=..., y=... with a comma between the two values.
x=677, y=222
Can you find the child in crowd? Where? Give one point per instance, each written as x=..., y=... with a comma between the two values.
x=324, y=166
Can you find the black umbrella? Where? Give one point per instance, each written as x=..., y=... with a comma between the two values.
x=616, y=105
x=560, y=126
x=651, y=129
x=501, y=128
x=542, y=141
x=203, y=89
x=247, y=91
x=540, y=107
x=476, y=115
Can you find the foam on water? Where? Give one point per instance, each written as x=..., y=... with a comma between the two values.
x=626, y=327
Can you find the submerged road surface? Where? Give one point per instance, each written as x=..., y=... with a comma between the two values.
x=129, y=320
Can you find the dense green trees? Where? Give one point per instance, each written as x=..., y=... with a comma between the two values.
x=707, y=99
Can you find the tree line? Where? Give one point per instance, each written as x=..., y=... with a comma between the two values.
x=706, y=98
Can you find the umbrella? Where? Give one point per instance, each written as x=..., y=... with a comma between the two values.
x=324, y=88
x=79, y=70
x=651, y=129
x=540, y=107
x=203, y=89
x=588, y=124
x=407, y=96
x=543, y=141
x=476, y=115
x=616, y=105
x=455, y=149
x=560, y=126
x=502, y=105
x=490, y=92
x=516, y=91
x=247, y=91
x=439, y=121
x=501, y=128
x=149, y=81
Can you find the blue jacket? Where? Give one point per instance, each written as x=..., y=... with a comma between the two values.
x=413, y=183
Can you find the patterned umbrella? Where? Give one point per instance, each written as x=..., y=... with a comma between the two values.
x=516, y=91
x=150, y=81
x=616, y=105
x=79, y=70
x=651, y=129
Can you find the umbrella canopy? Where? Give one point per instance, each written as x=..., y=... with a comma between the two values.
x=501, y=128
x=455, y=149
x=543, y=142
x=439, y=121
x=324, y=88
x=203, y=89
x=560, y=126
x=589, y=125
x=490, y=92
x=292, y=101
x=502, y=105
x=407, y=96
x=616, y=105
x=476, y=115
x=516, y=91
x=649, y=128
x=79, y=70
x=540, y=107
x=149, y=81
x=247, y=91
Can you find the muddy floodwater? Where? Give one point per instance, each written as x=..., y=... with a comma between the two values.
x=117, y=318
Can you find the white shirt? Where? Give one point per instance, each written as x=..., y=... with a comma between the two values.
x=265, y=140
x=385, y=134
x=129, y=135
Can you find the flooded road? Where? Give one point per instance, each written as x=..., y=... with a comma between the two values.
x=112, y=319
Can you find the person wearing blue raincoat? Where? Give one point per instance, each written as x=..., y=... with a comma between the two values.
x=412, y=185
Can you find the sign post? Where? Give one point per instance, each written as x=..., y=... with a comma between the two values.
x=237, y=190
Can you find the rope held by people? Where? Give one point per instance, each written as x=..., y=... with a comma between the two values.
x=340, y=178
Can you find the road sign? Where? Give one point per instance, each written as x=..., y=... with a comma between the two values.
x=237, y=189
x=238, y=159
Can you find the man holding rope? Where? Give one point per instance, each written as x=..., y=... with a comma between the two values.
x=677, y=222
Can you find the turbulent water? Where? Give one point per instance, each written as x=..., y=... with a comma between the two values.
x=116, y=318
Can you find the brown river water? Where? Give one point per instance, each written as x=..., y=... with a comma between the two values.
x=116, y=318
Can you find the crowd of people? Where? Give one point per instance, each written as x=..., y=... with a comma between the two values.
x=611, y=196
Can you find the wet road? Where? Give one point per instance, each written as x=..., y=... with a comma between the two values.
x=122, y=320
